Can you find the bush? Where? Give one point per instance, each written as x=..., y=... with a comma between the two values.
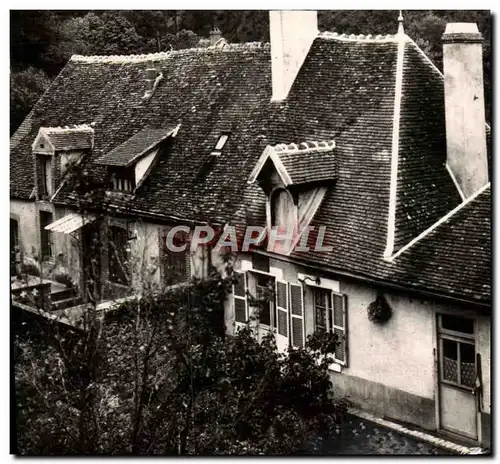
x=158, y=377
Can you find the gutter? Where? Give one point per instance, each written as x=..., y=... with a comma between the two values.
x=373, y=281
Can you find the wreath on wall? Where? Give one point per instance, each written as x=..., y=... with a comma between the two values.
x=379, y=310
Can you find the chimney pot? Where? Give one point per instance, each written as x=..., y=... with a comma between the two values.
x=215, y=35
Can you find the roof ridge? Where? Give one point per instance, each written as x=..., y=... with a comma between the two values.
x=303, y=147
x=444, y=219
x=75, y=127
x=359, y=37
x=137, y=58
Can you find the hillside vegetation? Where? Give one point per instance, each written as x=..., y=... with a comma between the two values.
x=43, y=41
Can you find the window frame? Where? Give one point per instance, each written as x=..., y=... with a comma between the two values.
x=123, y=182
x=329, y=317
x=241, y=297
x=112, y=248
x=272, y=302
x=459, y=338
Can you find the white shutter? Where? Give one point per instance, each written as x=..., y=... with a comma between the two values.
x=339, y=302
x=282, y=308
x=297, y=329
x=240, y=305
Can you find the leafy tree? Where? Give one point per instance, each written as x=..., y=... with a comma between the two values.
x=26, y=87
x=157, y=376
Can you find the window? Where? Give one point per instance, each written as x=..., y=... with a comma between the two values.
x=123, y=181
x=175, y=264
x=457, y=351
x=330, y=315
x=264, y=285
x=46, y=235
x=118, y=255
x=240, y=298
x=282, y=210
x=220, y=144
x=45, y=179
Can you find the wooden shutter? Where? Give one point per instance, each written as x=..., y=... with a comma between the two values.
x=339, y=302
x=282, y=307
x=297, y=315
x=240, y=304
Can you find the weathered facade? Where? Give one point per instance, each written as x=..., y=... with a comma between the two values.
x=349, y=133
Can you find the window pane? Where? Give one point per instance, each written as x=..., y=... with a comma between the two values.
x=450, y=363
x=320, y=317
x=467, y=364
x=265, y=314
x=457, y=324
x=221, y=142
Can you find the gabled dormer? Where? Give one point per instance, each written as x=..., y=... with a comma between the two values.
x=295, y=178
x=130, y=163
x=54, y=150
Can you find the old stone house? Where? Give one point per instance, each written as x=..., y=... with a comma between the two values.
x=362, y=135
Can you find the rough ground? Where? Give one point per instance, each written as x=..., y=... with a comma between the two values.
x=363, y=437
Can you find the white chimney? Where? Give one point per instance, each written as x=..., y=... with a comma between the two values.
x=464, y=105
x=292, y=33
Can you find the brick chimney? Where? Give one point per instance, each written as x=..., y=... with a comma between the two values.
x=464, y=104
x=151, y=74
x=292, y=33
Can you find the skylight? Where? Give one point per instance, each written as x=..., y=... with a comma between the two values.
x=221, y=142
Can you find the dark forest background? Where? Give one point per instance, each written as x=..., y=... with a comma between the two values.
x=43, y=41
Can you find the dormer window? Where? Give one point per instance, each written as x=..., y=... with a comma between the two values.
x=220, y=145
x=55, y=148
x=45, y=179
x=130, y=163
x=283, y=210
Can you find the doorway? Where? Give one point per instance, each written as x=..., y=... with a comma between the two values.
x=457, y=375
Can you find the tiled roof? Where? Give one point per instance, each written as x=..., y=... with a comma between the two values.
x=425, y=190
x=207, y=91
x=70, y=138
x=345, y=91
x=21, y=165
x=136, y=146
x=309, y=161
x=455, y=255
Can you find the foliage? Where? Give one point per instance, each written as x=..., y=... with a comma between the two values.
x=46, y=39
x=157, y=376
x=379, y=311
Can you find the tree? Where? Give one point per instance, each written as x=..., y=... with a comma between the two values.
x=159, y=377
x=26, y=87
